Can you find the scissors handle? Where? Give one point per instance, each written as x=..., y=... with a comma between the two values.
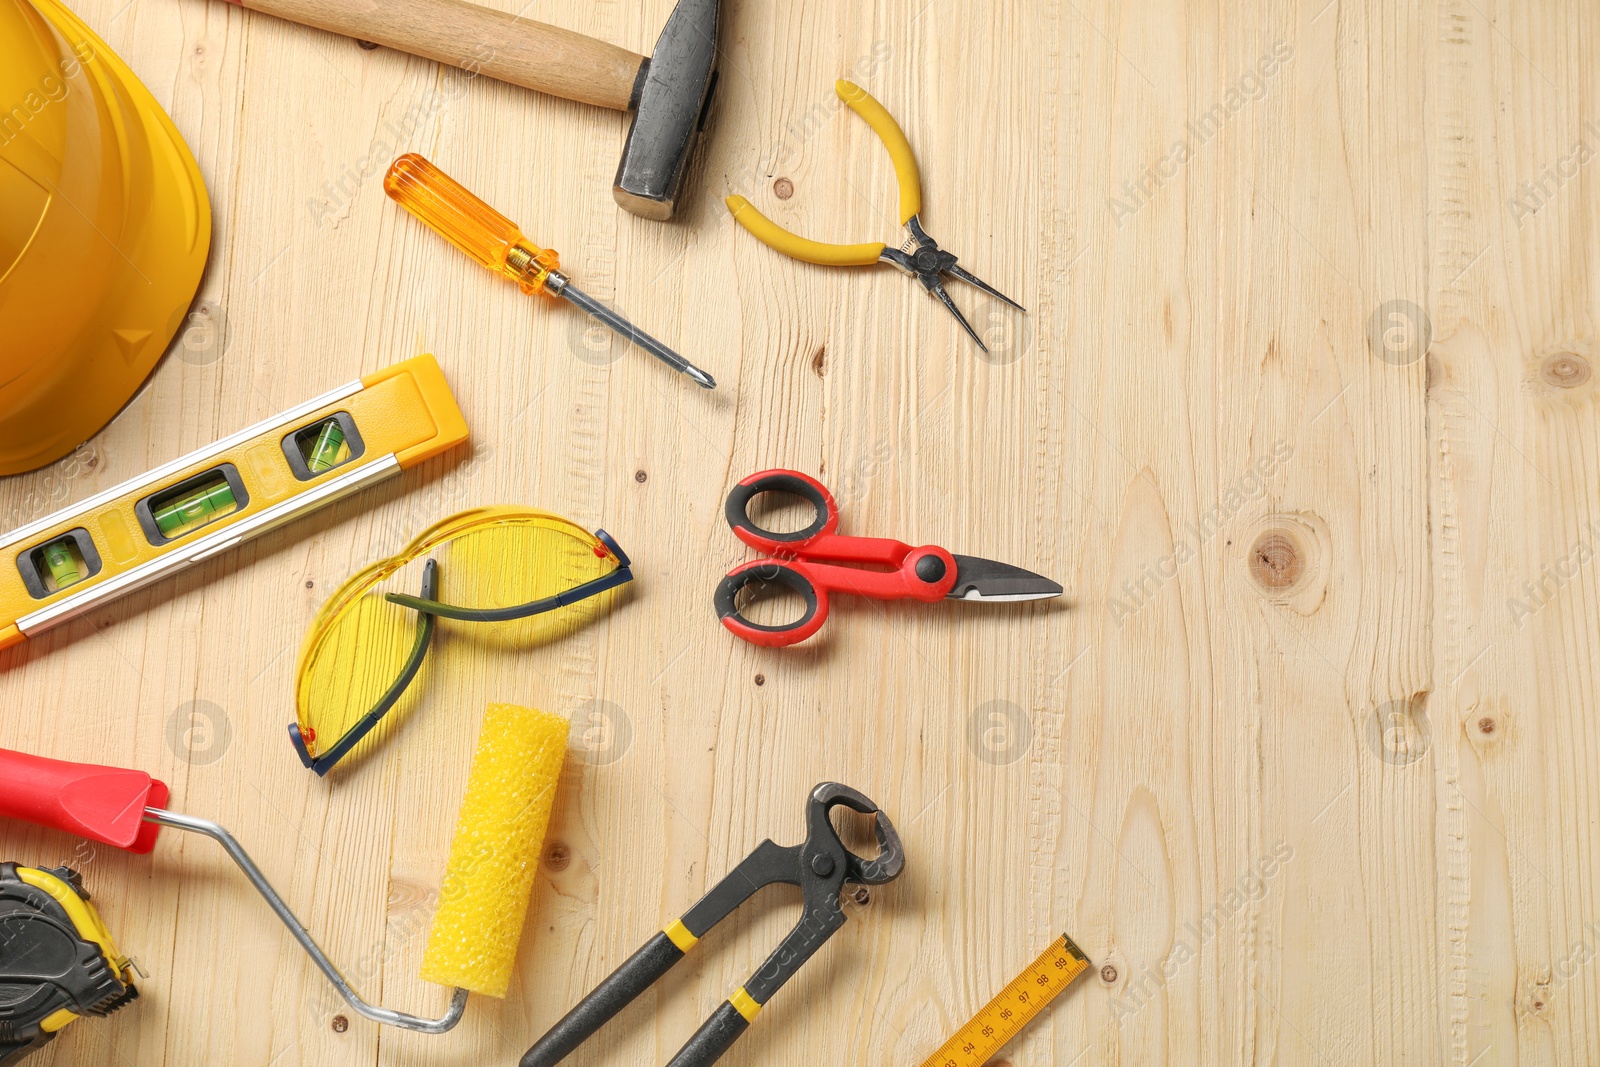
x=803, y=486
x=927, y=573
x=816, y=541
x=794, y=576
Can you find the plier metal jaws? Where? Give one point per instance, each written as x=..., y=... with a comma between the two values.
x=821, y=867
x=920, y=256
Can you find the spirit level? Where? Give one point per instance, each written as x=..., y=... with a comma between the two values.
x=1013, y=1007
x=210, y=500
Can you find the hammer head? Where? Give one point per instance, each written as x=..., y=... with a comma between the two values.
x=671, y=98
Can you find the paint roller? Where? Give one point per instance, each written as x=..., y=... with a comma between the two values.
x=488, y=881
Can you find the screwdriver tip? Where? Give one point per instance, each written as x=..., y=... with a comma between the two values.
x=704, y=380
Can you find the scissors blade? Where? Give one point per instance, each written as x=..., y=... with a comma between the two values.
x=972, y=279
x=985, y=579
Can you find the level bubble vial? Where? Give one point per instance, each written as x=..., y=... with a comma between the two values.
x=325, y=445
x=192, y=504
x=59, y=563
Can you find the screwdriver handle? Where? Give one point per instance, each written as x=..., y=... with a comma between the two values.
x=104, y=804
x=450, y=209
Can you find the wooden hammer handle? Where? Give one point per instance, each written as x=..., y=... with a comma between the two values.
x=520, y=51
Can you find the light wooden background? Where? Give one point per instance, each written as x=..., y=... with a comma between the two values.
x=1303, y=757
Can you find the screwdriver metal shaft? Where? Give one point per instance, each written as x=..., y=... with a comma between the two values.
x=453, y=211
x=562, y=286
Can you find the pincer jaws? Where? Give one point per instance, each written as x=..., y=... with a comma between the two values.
x=886, y=866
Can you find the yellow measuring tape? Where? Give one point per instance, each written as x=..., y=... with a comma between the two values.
x=1013, y=1008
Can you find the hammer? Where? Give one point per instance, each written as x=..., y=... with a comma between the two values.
x=669, y=92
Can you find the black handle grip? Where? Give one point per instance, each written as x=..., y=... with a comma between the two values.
x=813, y=492
x=726, y=598
x=713, y=1039
x=608, y=998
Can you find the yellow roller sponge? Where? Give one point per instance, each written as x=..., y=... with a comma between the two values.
x=495, y=855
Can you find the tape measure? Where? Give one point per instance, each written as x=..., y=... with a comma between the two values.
x=210, y=500
x=59, y=962
x=1013, y=1008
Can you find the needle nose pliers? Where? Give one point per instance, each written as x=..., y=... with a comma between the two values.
x=820, y=867
x=920, y=256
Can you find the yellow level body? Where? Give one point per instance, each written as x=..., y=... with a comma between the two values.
x=210, y=500
x=1013, y=1007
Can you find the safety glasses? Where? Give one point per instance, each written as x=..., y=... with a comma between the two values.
x=522, y=577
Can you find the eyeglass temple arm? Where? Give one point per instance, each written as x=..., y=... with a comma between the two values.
x=408, y=674
x=429, y=606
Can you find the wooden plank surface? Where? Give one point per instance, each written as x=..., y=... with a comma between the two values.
x=1302, y=416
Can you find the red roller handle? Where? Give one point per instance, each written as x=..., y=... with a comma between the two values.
x=104, y=804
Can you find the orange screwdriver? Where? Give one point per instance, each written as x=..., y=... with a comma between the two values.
x=448, y=208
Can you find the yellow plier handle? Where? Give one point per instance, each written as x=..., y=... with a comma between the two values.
x=824, y=253
x=793, y=245
x=894, y=139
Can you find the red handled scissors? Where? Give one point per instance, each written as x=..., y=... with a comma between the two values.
x=925, y=573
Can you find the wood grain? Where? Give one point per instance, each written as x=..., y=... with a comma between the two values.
x=480, y=40
x=1303, y=415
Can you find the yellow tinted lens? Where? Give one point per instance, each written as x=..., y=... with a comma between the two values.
x=353, y=656
x=488, y=558
x=515, y=561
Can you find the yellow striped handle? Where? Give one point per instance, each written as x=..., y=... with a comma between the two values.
x=793, y=245
x=893, y=138
x=679, y=935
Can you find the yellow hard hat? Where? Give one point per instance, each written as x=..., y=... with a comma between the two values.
x=104, y=230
